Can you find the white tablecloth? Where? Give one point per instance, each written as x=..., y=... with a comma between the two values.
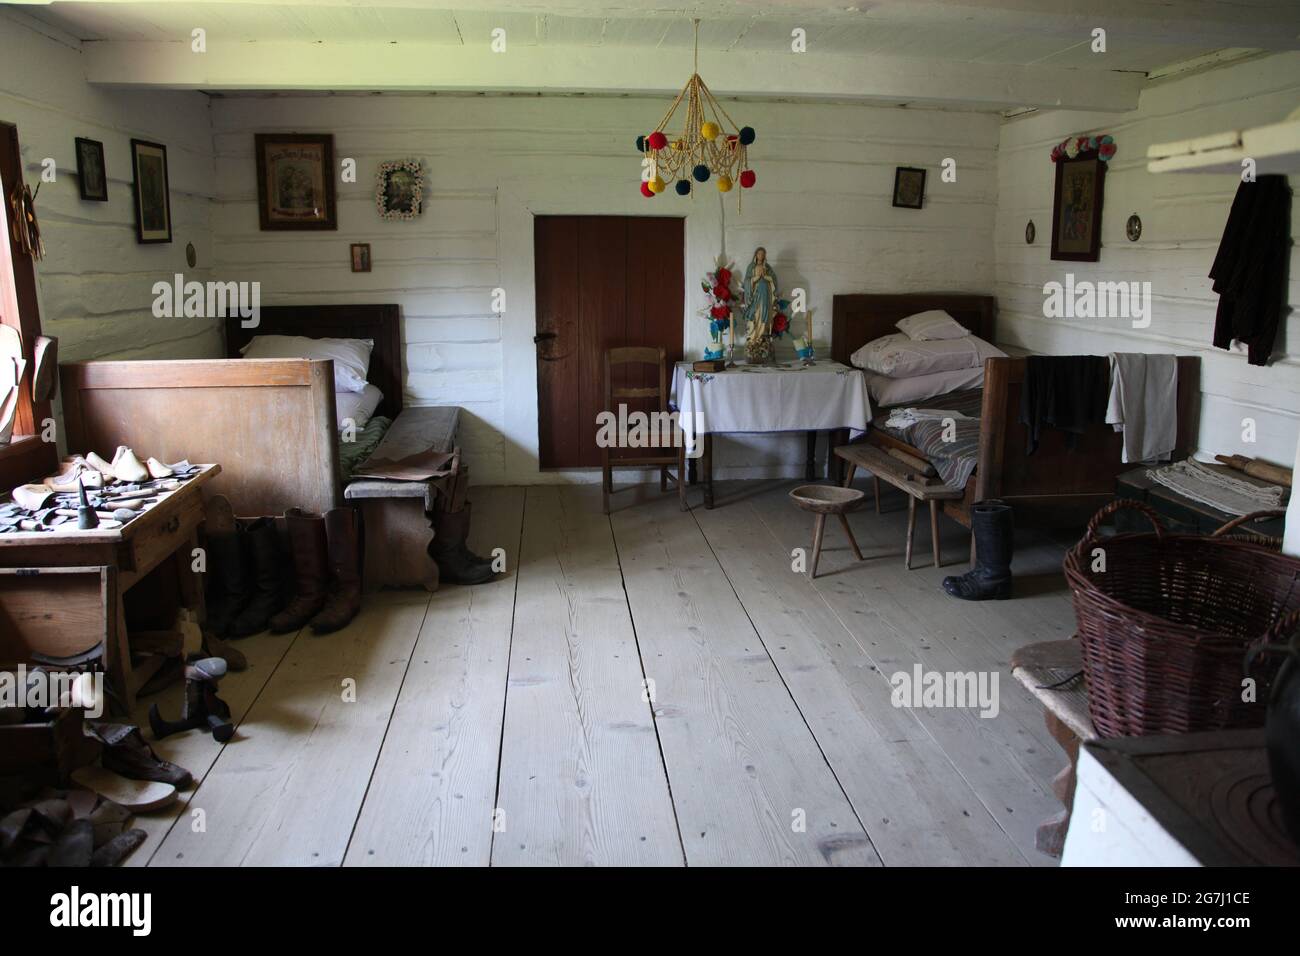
x=821, y=397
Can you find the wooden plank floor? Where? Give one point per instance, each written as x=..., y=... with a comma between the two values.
x=652, y=688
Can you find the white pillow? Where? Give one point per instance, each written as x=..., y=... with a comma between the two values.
x=933, y=326
x=886, y=391
x=358, y=406
x=901, y=357
x=351, y=356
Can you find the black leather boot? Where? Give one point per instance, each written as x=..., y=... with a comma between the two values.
x=990, y=579
x=229, y=587
x=457, y=564
x=266, y=566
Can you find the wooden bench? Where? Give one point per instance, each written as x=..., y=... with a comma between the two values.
x=907, y=477
x=1046, y=669
x=397, y=513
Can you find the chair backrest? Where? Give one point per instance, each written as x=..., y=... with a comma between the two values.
x=637, y=355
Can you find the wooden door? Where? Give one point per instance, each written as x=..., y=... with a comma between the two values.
x=602, y=282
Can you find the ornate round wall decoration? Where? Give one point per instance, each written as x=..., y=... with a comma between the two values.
x=191, y=256
x=1030, y=232
x=1133, y=228
x=399, y=189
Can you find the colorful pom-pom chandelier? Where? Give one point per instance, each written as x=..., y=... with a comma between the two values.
x=704, y=151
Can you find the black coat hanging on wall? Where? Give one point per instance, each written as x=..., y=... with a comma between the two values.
x=1250, y=269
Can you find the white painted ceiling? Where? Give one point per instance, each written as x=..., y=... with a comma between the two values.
x=1142, y=35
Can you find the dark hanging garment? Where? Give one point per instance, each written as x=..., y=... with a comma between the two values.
x=1068, y=392
x=1249, y=271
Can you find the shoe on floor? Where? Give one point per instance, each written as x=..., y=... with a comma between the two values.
x=139, y=796
x=132, y=757
x=310, y=551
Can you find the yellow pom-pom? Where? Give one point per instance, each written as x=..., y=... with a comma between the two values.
x=724, y=184
x=710, y=131
x=657, y=185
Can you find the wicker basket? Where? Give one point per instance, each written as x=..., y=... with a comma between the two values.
x=1165, y=627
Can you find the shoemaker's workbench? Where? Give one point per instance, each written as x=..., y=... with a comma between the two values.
x=62, y=590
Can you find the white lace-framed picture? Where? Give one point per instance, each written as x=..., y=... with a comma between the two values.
x=399, y=189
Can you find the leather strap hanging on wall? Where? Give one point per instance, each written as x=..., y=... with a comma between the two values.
x=26, y=230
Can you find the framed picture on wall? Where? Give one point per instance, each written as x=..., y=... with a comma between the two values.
x=153, y=204
x=909, y=187
x=295, y=180
x=360, y=257
x=1076, y=207
x=399, y=189
x=92, y=180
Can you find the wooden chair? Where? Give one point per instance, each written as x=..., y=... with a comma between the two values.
x=673, y=456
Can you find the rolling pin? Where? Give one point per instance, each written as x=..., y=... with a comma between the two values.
x=921, y=465
x=1274, y=474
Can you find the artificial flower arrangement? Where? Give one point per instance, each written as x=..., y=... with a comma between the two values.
x=721, y=300
x=1103, y=145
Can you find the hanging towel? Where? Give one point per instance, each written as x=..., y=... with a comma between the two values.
x=1250, y=269
x=1064, y=391
x=1144, y=404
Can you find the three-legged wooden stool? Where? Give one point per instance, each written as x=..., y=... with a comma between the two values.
x=823, y=500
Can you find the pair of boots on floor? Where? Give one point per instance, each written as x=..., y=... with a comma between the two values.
x=251, y=588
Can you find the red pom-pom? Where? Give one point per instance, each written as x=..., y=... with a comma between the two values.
x=1106, y=151
x=719, y=312
x=657, y=140
x=647, y=191
x=724, y=277
x=747, y=178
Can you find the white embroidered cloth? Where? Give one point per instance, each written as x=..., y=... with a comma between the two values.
x=792, y=398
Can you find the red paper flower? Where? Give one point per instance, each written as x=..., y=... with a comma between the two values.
x=719, y=312
x=724, y=277
x=780, y=323
x=721, y=292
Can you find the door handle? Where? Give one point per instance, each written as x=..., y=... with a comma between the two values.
x=541, y=337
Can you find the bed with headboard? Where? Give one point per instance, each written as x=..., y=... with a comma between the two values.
x=270, y=423
x=1057, y=484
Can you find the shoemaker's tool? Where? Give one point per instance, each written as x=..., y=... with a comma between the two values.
x=86, y=517
x=202, y=707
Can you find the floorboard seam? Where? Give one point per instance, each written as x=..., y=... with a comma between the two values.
x=505, y=693
x=384, y=737
x=654, y=720
x=920, y=723
x=220, y=753
x=776, y=667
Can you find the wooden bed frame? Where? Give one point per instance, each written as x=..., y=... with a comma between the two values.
x=269, y=423
x=1056, y=485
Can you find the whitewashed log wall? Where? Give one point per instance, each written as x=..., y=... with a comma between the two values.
x=96, y=280
x=1183, y=216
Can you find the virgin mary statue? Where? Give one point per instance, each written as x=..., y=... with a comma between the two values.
x=760, y=295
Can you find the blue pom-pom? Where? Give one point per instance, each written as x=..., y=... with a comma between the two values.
x=640, y=144
x=746, y=135
x=683, y=187
x=702, y=173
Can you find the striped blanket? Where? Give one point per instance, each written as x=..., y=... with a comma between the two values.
x=954, y=451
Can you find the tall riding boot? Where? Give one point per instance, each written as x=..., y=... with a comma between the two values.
x=310, y=568
x=457, y=564
x=228, y=585
x=991, y=524
x=265, y=565
x=343, y=532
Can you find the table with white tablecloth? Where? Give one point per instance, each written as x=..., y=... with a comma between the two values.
x=790, y=397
